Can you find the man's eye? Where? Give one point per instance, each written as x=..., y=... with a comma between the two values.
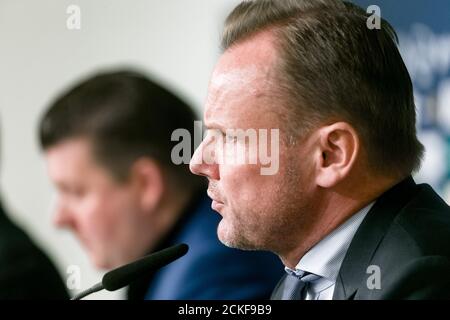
x=232, y=138
x=214, y=134
x=77, y=192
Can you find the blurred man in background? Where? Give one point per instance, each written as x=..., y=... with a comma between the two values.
x=107, y=144
x=25, y=270
x=342, y=212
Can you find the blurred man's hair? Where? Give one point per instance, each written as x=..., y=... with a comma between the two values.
x=333, y=67
x=125, y=116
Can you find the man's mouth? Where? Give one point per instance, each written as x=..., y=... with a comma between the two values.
x=216, y=203
x=217, y=206
x=213, y=197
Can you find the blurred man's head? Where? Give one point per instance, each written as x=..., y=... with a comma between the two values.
x=107, y=144
x=342, y=99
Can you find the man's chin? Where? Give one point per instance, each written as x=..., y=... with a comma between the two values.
x=101, y=265
x=101, y=262
x=234, y=240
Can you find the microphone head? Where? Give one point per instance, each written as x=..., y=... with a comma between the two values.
x=124, y=275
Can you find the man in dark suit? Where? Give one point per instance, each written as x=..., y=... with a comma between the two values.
x=406, y=234
x=25, y=271
x=108, y=144
x=402, y=244
x=341, y=209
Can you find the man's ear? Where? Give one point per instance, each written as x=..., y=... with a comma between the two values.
x=338, y=149
x=147, y=177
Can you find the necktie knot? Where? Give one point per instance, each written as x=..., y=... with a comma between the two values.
x=295, y=284
x=305, y=276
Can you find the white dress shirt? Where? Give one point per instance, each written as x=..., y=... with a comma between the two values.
x=326, y=257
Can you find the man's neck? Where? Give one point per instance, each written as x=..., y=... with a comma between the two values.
x=333, y=209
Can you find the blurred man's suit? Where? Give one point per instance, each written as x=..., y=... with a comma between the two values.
x=210, y=270
x=406, y=237
x=25, y=271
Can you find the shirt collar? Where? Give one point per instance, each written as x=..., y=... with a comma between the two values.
x=326, y=257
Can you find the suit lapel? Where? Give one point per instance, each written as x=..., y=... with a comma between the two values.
x=277, y=293
x=368, y=237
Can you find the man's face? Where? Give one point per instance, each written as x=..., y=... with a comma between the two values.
x=259, y=211
x=100, y=211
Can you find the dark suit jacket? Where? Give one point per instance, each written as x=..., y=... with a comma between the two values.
x=407, y=235
x=25, y=271
x=401, y=250
x=210, y=270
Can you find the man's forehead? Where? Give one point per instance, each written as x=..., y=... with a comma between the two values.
x=251, y=77
x=257, y=53
x=259, y=48
x=75, y=152
x=245, y=71
x=233, y=89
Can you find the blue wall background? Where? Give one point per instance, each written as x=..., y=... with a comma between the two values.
x=423, y=27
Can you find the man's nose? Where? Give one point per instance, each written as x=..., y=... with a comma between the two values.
x=200, y=167
x=63, y=215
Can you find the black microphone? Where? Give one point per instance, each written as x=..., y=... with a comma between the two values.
x=124, y=275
